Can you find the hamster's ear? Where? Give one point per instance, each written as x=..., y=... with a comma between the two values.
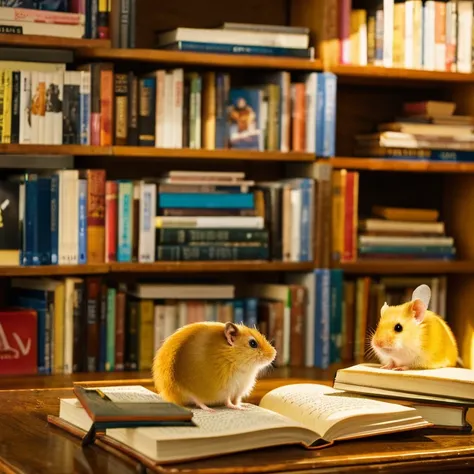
x=419, y=309
x=384, y=307
x=231, y=331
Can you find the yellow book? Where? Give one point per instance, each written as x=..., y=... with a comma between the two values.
x=7, y=108
x=146, y=333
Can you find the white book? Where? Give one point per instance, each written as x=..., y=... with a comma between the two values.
x=147, y=231
x=429, y=35
x=440, y=46
x=62, y=211
x=409, y=34
x=207, y=222
x=168, y=111
x=43, y=79
x=25, y=107
x=388, y=32
x=35, y=107
x=249, y=38
x=47, y=29
x=158, y=326
x=285, y=116
x=170, y=320
x=305, y=414
x=417, y=34
x=464, y=37
x=411, y=241
x=182, y=314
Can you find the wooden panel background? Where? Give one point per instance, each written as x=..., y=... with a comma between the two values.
x=153, y=15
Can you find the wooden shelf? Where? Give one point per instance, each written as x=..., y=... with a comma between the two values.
x=53, y=270
x=76, y=150
x=156, y=267
x=188, y=153
x=200, y=59
x=154, y=153
x=209, y=267
x=384, y=73
x=381, y=164
x=386, y=267
x=38, y=41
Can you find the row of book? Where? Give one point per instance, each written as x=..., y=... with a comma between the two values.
x=75, y=216
x=87, y=325
x=430, y=35
x=427, y=130
x=96, y=105
x=387, y=233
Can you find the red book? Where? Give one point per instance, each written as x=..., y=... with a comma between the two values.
x=111, y=215
x=18, y=342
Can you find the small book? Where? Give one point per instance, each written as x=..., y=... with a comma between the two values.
x=126, y=407
x=449, y=385
x=310, y=415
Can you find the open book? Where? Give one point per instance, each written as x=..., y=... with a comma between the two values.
x=448, y=385
x=306, y=414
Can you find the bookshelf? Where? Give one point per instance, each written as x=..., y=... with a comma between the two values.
x=366, y=95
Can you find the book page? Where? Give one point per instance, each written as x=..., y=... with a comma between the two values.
x=128, y=394
x=319, y=407
x=447, y=373
x=221, y=422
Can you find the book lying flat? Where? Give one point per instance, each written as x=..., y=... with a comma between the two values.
x=449, y=383
x=310, y=415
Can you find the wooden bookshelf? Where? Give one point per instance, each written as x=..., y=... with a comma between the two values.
x=414, y=267
x=370, y=73
x=37, y=41
x=53, y=270
x=419, y=166
x=201, y=154
x=156, y=267
x=200, y=59
x=76, y=150
x=208, y=267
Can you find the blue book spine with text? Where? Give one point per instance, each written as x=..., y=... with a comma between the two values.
x=125, y=198
x=322, y=319
x=82, y=221
x=205, y=201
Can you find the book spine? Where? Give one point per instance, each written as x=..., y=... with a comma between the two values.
x=102, y=356
x=95, y=120
x=44, y=223
x=146, y=111
x=15, y=110
x=132, y=336
x=93, y=292
x=54, y=219
x=85, y=107
x=110, y=330
x=120, y=310
x=96, y=216
x=106, y=104
x=210, y=253
x=132, y=110
x=330, y=98
x=145, y=336
x=136, y=220
x=71, y=108
x=125, y=224
x=206, y=200
x=251, y=313
x=147, y=233
x=121, y=109
x=111, y=218
x=82, y=221
x=7, y=107
x=184, y=236
x=79, y=328
x=335, y=324
x=25, y=107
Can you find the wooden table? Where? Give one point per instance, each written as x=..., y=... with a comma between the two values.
x=29, y=445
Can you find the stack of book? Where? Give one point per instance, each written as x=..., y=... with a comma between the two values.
x=404, y=234
x=239, y=38
x=414, y=34
x=441, y=396
x=425, y=130
x=364, y=297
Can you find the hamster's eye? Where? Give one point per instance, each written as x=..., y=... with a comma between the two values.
x=398, y=327
x=253, y=343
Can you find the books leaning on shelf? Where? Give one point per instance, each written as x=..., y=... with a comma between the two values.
x=424, y=131
x=441, y=396
x=303, y=414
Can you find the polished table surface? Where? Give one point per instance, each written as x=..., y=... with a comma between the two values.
x=28, y=444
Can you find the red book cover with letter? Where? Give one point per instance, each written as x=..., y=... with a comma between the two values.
x=18, y=342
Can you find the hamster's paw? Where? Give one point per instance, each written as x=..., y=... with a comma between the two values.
x=388, y=366
x=401, y=368
x=201, y=405
x=237, y=406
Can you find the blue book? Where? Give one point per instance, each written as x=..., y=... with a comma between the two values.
x=205, y=201
x=239, y=311
x=251, y=315
x=31, y=249
x=330, y=102
x=245, y=118
x=125, y=215
x=44, y=222
x=82, y=221
x=335, y=325
x=322, y=319
x=54, y=219
x=223, y=48
x=320, y=123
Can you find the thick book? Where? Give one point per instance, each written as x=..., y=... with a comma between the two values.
x=446, y=385
x=124, y=407
x=313, y=416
